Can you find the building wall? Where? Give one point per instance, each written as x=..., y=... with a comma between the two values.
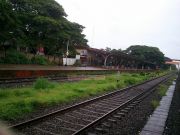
x=82, y=51
x=69, y=61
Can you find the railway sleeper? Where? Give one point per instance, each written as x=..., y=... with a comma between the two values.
x=132, y=106
x=105, y=107
x=112, y=103
x=37, y=131
x=101, y=130
x=48, y=127
x=90, y=133
x=83, y=116
x=129, y=108
x=117, y=116
x=92, y=112
x=105, y=124
x=70, y=118
x=124, y=111
x=109, y=105
x=112, y=120
x=62, y=123
x=98, y=110
x=121, y=114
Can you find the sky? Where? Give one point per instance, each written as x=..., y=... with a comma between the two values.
x=119, y=24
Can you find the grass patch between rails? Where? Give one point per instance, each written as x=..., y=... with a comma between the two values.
x=17, y=102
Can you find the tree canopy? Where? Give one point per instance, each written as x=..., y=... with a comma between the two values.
x=31, y=23
x=146, y=53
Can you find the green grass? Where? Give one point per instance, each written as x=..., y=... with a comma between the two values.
x=154, y=103
x=43, y=84
x=17, y=102
x=162, y=89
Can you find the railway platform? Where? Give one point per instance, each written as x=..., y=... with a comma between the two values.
x=157, y=122
x=40, y=67
x=29, y=71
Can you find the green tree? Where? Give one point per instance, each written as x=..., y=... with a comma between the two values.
x=146, y=53
x=32, y=23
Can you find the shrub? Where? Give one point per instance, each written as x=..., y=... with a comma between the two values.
x=130, y=81
x=142, y=74
x=42, y=83
x=135, y=75
x=118, y=85
x=39, y=60
x=162, y=90
x=15, y=57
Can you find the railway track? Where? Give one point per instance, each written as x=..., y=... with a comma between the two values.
x=82, y=117
x=10, y=82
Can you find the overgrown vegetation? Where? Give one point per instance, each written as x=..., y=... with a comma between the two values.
x=41, y=60
x=14, y=57
x=162, y=90
x=42, y=83
x=15, y=103
x=154, y=103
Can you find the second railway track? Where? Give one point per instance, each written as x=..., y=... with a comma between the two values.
x=78, y=119
x=11, y=82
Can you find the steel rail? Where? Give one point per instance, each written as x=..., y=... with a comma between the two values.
x=51, y=78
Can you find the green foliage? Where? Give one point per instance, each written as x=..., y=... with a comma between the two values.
x=154, y=103
x=146, y=53
x=142, y=73
x=42, y=83
x=15, y=57
x=120, y=85
x=30, y=23
x=39, y=60
x=8, y=20
x=130, y=81
x=162, y=90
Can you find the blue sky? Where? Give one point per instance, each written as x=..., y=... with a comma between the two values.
x=122, y=23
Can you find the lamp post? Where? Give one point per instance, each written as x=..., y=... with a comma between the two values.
x=67, y=52
x=105, y=61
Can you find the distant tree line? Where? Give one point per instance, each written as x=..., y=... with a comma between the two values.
x=34, y=23
x=144, y=53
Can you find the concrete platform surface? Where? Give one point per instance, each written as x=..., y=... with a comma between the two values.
x=40, y=67
x=156, y=123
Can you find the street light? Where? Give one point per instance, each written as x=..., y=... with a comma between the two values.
x=67, y=52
